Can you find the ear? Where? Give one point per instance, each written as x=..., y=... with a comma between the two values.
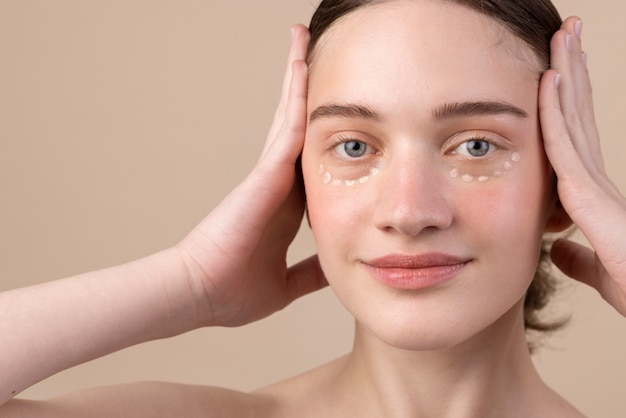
x=558, y=218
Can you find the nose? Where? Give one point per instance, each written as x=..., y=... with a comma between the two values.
x=413, y=198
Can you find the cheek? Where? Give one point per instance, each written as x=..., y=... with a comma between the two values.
x=340, y=218
x=337, y=204
x=510, y=215
x=333, y=199
x=334, y=221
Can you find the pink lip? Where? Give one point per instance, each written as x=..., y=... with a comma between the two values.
x=415, y=272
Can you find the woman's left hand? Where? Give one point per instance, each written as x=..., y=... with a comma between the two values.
x=572, y=144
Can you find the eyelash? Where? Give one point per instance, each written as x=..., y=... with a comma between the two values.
x=344, y=139
x=494, y=145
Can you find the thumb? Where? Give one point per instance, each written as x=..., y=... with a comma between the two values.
x=305, y=277
x=577, y=261
x=582, y=264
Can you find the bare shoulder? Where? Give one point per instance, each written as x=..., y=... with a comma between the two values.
x=311, y=394
x=561, y=408
x=144, y=400
x=550, y=403
x=160, y=399
x=565, y=409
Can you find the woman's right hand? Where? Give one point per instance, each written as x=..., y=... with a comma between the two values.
x=230, y=270
x=236, y=257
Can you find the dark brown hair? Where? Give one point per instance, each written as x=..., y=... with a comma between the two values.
x=532, y=21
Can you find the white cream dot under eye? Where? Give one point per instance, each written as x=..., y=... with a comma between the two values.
x=500, y=169
x=327, y=178
x=507, y=165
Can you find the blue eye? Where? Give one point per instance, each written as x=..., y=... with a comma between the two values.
x=352, y=149
x=475, y=148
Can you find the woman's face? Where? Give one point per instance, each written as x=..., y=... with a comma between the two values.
x=428, y=189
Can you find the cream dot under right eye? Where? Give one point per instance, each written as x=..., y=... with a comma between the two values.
x=329, y=178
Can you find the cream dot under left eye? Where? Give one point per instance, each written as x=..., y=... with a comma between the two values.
x=482, y=174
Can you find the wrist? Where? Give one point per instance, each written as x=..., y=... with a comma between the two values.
x=192, y=308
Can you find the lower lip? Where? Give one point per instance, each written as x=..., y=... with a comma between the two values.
x=417, y=278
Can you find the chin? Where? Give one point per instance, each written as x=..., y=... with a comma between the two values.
x=427, y=334
x=420, y=338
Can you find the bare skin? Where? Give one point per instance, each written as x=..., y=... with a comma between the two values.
x=194, y=284
x=198, y=285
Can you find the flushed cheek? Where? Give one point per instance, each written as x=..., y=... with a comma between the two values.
x=340, y=215
x=340, y=206
x=507, y=217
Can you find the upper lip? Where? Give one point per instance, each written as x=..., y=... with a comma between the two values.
x=419, y=261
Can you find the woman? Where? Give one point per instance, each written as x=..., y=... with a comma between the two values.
x=420, y=118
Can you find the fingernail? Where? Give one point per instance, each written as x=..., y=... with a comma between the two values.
x=578, y=28
x=568, y=41
x=292, y=33
x=557, y=80
x=585, y=59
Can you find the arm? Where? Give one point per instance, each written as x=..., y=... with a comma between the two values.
x=145, y=400
x=54, y=326
x=590, y=198
x=230, y=270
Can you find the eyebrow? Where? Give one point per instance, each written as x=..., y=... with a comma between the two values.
x=452, y=110
x=444, y=111
x=344, y=111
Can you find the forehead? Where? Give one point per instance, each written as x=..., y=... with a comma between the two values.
x=421, y=48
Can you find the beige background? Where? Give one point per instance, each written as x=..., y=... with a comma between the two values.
x=122, y=123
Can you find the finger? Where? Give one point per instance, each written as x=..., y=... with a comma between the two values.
x=582, y=264
x=287, y=144
x=563, y=156
x=578, y=187
x=305, y=277
x=297, y=52
x=579, y=190
x=576, y=93
x=576, y=261
x=586, y=138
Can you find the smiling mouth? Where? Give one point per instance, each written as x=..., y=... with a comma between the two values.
x=415, y=272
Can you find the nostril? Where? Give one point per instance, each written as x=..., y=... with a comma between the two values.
x=411, y=209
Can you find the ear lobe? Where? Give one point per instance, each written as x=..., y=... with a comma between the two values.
x=559, y=220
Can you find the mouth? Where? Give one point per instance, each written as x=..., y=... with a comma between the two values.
x=416, y=272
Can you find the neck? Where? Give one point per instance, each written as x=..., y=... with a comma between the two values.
x=489, y=375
